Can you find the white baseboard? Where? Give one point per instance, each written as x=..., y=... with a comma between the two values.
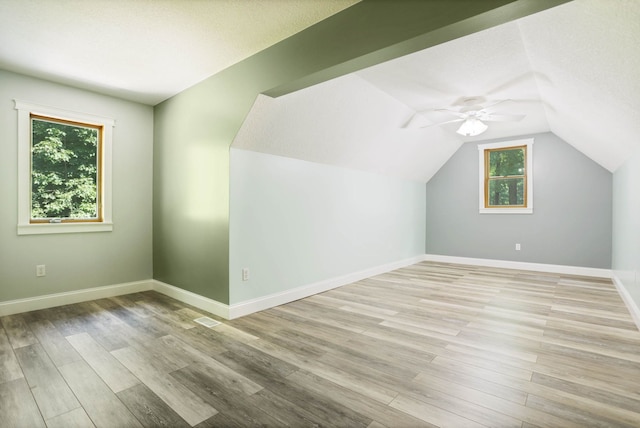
x=204, y=303
x=220, y=309
x=507, y=264
x=627, y=299
x=269, y=301
x=69, y=297
x=59, y=299
x=265, y=302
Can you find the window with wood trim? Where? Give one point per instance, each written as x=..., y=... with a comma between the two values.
x=64, y=171
x=506, y=184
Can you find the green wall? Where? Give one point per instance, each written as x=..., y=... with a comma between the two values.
x=77, y=261
x=194, y=129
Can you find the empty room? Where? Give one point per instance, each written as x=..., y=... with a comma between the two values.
x=303, y=213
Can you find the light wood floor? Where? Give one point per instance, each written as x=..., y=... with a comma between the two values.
x=428, y=345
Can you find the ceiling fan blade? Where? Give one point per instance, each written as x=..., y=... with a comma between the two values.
x=443, y=123
x=502, y=117
x=453, y=112
x=418, y=119
x=495, y=103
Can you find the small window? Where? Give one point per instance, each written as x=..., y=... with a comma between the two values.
x=66, y=172
x=505, y=177
x=64, y=166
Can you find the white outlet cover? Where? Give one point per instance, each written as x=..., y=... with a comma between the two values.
x=41, y=270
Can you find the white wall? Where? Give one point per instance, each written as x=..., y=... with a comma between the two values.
x=294, y=223
x=626, y=226
x=79, y=260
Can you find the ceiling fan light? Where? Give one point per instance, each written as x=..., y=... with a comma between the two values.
x=472, y=127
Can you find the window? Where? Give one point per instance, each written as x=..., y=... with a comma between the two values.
x=506, y=184
x=64, y=167
x=65, y=171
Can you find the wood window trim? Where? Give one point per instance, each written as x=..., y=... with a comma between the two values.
x=100, y=169
x=483, y=191
x=488, y=178
x=25, y=226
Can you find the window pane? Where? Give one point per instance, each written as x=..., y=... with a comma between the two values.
x=64, y=171
x=506, y=162
x=506, y=191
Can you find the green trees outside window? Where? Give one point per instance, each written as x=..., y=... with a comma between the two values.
x=505, y=180
x=65, y=170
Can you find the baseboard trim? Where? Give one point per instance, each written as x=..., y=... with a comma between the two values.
x=507, y=264
x=69, y=297
x=634, y=310
x=193, y=299
x=271, y=300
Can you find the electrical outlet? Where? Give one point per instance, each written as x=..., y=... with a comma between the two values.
x=517, y=247
x=245, y=274
x=41, y=270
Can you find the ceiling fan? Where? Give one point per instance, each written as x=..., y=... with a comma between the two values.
x=473, y=116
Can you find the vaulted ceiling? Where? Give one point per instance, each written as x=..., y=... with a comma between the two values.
x=573, y=70
x=145, y=50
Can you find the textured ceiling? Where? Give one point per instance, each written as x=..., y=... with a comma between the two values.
x=145, y=50
x=573, y=70
x=587, y=56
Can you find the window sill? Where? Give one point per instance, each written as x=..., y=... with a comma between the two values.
x=506, y=210
x=48, y=228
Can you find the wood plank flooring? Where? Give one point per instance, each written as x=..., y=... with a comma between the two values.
x=430, y=345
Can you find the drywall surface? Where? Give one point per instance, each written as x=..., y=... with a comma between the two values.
x=79, y=260
x=294, y=223
x=626, y=226
x=194, y=129
x=191, y=188
x=571, y=220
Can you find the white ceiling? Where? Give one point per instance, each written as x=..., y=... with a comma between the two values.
x=145, y=50
x=573, y=70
